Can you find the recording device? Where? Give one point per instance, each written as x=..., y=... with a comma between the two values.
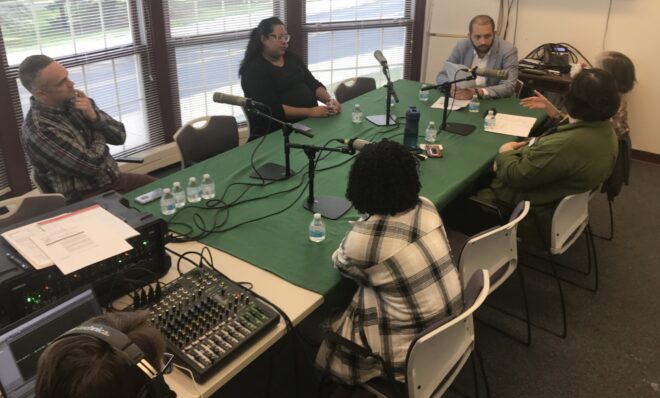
x=380, y=57
x=23, y=291
x=155, y=387
x=485, y=72
x=149, y=196
x=206, y=318
x=234, y=100
x=22, y=342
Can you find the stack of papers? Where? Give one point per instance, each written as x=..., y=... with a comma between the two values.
x=72, y=241
x=454, y=104
x=518, y=126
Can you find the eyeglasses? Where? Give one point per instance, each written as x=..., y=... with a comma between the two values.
x=285, y=38
x=167, y=365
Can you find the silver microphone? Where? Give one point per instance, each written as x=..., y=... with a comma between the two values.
x=356, y=144
x=234, y=100
x=380, y=57
x=485, y=72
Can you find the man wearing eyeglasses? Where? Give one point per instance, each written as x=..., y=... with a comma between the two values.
x=272, y=75
x=65, y=135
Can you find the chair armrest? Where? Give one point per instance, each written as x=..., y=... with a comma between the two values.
x=129, y=159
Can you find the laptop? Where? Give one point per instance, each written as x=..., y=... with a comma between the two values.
x=22, y=342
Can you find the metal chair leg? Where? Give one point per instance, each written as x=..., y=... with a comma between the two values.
x=610, y=204
x=528, y=340
x=591, y=256
x=477, y=351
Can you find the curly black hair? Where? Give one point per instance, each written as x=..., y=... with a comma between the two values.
x=383, y=179
x=593, y=96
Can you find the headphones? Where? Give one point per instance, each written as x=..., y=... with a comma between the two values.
x=156, y=387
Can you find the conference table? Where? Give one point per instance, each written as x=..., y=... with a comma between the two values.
x=258, y=230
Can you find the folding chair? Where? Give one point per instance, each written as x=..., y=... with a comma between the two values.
x=354, y=87
x=24, y=207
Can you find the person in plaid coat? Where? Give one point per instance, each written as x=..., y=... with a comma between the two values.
x=398, y=254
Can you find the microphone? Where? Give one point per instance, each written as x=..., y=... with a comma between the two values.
x=355, y=144
x=485, y=72
x=380, y=57
x=234, y=100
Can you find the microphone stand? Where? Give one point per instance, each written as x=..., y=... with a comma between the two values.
x=386, y=119
x=331, y=207
x=274, y=171
x=456, y=128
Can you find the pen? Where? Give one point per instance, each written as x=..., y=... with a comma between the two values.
x=17, y=261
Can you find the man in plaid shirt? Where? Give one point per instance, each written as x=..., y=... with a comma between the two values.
x=399, y=256
x=65, y=135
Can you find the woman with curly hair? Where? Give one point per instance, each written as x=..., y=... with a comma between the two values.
x=398, y=254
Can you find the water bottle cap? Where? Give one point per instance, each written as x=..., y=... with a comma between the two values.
x=317, y=216
x=176, y=184
x=431, y=123
x=207, y=175
x=474, y=96
x=192, y=179
x=491, y=113
x=166, y=190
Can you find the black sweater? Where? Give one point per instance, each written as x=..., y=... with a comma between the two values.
x=291, y=84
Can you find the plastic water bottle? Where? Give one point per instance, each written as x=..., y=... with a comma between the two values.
x=317, y=229
x=489, y=120
x=167, y=203
x=431, y=133
x=208, y=187
x=423, y=95
x=473, y=106
x=392, y=100
x=193, y=191
x=357, y=114
x=411, y=131
x=179, y=194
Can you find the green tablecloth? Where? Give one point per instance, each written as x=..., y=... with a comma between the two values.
x=279, y=243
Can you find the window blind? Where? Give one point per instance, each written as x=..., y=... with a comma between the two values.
x=209, y=38
x=103, y=44
x=343, y=35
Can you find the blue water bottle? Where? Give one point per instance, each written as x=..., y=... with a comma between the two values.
x=412, y=128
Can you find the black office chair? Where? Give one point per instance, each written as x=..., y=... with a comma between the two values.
x=354, y=87
x=205, y=137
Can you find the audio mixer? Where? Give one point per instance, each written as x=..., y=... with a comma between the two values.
x=205, y=318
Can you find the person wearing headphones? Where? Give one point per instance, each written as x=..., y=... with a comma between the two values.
x=116, y=355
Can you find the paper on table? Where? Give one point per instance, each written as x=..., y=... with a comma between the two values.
x=21, y=240
x=457, y=72
x=75, y=240
x=454, y=104
x=518, y=126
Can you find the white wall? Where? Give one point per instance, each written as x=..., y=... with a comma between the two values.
x=633, y=30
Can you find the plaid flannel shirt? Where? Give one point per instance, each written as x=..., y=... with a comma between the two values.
x=69, y=153
x=407, y=282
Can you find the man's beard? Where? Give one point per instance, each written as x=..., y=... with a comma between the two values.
x=482, y=50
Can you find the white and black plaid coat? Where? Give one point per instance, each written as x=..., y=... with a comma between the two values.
x=407, y=281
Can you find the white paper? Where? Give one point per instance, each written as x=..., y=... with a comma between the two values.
x=21, y=240
x=454, y=104
x=518, y=126
x=75, y=240
x=457, y=72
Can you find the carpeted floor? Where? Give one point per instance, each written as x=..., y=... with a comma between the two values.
x=613, y=343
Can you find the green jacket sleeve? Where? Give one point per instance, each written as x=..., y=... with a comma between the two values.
x=531, y=167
